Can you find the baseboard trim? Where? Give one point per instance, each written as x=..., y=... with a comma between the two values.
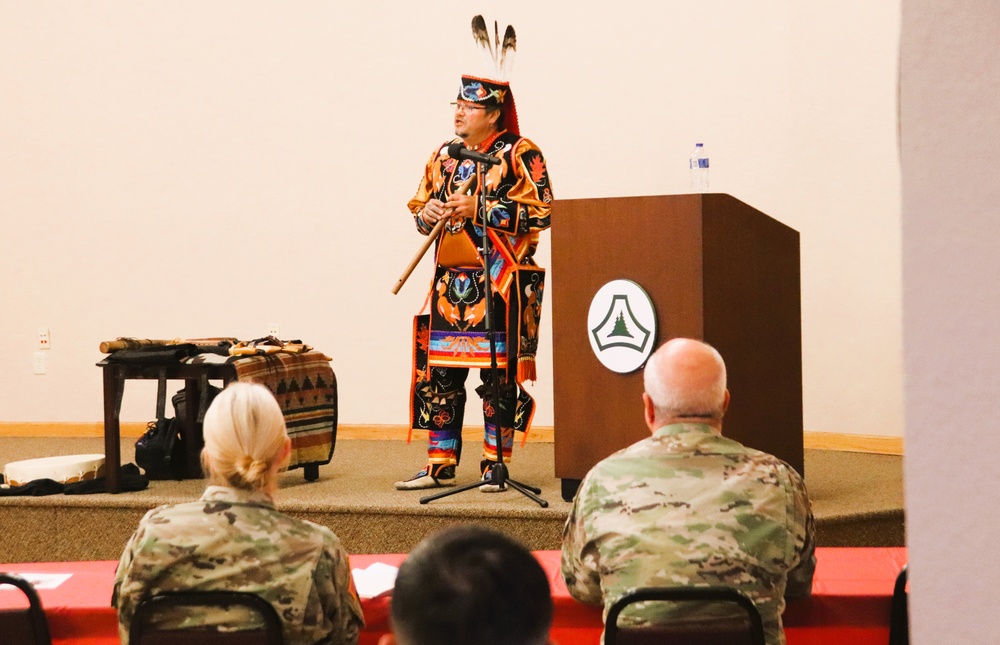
x=853, y=443
x=544, y=434
x=344, y=431
x=43, y=429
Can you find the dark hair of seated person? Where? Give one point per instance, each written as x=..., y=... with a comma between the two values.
x=471, y=584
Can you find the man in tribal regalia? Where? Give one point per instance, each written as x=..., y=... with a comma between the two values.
x=453, y=338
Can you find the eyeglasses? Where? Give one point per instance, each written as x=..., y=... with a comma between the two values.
x=465, y=107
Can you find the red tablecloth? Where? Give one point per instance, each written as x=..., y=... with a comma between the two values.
x=850, y=602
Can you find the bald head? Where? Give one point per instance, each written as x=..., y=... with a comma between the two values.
x=685, y=379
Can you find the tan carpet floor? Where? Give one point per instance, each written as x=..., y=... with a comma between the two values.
x=857, y=499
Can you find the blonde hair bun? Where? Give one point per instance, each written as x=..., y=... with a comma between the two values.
x=244, y=436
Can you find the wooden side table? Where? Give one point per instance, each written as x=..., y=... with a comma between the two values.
x=195, y=379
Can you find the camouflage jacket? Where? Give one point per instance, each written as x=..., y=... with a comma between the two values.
x=687, y=506
x=236, y=540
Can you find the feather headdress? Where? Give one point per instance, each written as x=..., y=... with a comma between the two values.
x=498, y=55
x=493, y=87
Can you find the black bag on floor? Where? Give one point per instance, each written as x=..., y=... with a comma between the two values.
x=179, y=401
x=163, y=450
x=160, y=451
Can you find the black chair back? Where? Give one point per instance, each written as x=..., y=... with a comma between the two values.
x=899, y=617
x=142, y=633
x=24, y=626
x=722, y=632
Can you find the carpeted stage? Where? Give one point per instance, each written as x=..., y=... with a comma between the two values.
x=857, y=499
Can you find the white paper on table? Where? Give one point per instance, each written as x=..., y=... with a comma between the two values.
x=41, y=580
x=376, y=580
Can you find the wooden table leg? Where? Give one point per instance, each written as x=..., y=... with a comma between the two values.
x=113, y=389
x=192, y=438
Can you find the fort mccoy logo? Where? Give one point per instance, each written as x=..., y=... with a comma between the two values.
x=622, y=326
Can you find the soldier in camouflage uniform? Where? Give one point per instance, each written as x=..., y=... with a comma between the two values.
x=690, y=507
x=234, y=539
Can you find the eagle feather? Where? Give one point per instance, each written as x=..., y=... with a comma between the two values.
x=483, y=41
x=507, y=51
x=498, y=55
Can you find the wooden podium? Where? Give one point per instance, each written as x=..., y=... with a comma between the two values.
x=717, y=270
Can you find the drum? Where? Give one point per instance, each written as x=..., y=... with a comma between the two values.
x=64, y=469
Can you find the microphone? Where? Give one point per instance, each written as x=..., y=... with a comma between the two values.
x=458, y=151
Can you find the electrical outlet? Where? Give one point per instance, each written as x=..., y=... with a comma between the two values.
x=44, y=339
x=274, y=330
x=39, y=362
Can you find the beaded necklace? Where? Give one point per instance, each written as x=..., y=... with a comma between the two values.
x=487, y=142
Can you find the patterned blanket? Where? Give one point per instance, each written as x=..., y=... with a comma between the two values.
x=306, y=389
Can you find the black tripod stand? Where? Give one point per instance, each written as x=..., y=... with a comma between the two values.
x=498, y=475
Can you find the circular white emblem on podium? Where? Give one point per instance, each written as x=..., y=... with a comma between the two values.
x=621, y=326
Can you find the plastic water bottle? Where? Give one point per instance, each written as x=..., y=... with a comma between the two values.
x=699, y=169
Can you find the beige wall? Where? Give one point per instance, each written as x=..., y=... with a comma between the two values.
x=950, y=134
x=192, y=168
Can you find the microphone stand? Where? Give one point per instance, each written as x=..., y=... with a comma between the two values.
x=498, y=474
